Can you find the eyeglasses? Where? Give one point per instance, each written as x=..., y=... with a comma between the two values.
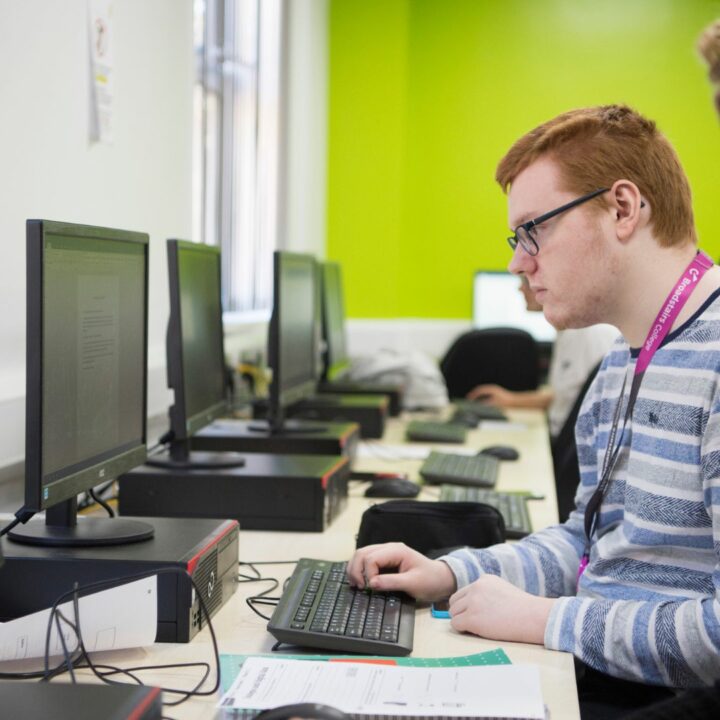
x=525, y=235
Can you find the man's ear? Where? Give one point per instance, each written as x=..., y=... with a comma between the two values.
x=627, y=207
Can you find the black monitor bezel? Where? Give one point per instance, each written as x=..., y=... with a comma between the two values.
x=334, y=366
x=110, y=464
x=282, y=397
x=182, y=426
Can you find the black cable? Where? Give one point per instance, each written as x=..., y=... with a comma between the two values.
x=21, y=516
x=111, y=670
x=66, y=654
x=251, y=604
x=157, y=445
x=101, y=502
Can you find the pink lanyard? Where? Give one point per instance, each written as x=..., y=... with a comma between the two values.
x=674, y=303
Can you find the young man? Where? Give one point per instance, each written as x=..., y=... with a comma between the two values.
x=603, y=230
x=576, y=353
x=709, y=47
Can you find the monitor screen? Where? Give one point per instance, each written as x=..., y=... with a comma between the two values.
x=196, y=358
x=333, y=321
x=293, y=339
x=86, y=358
x=498, y=302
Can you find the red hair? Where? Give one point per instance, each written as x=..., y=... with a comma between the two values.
x=593, y=147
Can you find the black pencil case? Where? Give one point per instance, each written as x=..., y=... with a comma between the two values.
x=431, y=526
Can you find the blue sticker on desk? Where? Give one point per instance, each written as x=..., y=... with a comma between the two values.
x=230, y=664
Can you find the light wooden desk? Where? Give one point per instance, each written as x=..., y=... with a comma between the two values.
x=239, y=630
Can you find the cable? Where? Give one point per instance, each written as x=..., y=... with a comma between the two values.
x=262, y=598
x=103, y=672
x=101, y=502
x=21, y=516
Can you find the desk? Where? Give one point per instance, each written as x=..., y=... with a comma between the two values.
x=239, y=630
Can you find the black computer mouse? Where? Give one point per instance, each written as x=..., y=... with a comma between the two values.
x=501, y=452
x=306, y=711
x=393, y=488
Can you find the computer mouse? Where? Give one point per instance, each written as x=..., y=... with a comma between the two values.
x=393, y=488
x=501, y=452
x=306, y=711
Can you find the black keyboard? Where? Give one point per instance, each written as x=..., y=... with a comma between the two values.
x=431, y=431
x=466, y=418
x=478, y=470
x=318, y=608
x=512, y=507
x=482, y=411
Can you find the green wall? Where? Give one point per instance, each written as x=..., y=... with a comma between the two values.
x=427, y=95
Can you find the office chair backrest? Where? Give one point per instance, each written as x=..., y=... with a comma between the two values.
x=564, y=453
x=504, y=356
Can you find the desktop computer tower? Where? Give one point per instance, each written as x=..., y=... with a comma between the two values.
x=368, y=411
x=33, y=577
x=269, y=492
x=80, y=701
x=298, y=437
x=394, y=393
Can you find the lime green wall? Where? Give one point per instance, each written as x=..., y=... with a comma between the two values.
x=426, y=96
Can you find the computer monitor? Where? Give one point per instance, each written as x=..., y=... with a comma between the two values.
x=293, y=335
x=333, y=321
x=195, y=354
x=498, y=302
x=86, y=379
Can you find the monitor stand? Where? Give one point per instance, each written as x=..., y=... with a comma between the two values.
x=178, y=456
x=61, y=529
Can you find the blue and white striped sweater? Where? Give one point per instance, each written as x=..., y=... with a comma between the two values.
x=648, y=605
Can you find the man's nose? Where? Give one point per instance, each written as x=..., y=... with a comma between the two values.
x=521, y=262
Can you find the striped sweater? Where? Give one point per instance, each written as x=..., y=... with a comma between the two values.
x=648, y=606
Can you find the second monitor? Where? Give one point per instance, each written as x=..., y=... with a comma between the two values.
x=196, y=373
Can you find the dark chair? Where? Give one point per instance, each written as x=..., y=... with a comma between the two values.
x=565, y=458
x=503, y=356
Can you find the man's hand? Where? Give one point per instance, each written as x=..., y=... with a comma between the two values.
x=493, y=608
x=492, y=395
x=424, y=579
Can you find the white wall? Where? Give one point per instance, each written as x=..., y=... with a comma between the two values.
x=48, y=168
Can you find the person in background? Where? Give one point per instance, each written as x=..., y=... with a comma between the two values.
x=630, y=583
x=576, y=353
x=709, y=46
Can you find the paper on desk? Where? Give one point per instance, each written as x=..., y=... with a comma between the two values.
x=510, y=691
x=503, y=426
x=121, y=617
x=385, y=451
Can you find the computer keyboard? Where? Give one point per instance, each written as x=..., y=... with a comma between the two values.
x=432, y=431
x=477, y=470
x=512, y=507
x=318, y=608
x=482, y=411
x=466, y=418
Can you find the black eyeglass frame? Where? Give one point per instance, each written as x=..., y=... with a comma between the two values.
x=533, y=249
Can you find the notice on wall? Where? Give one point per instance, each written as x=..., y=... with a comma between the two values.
x=100, y=19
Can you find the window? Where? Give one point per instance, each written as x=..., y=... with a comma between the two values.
x=236, y=142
